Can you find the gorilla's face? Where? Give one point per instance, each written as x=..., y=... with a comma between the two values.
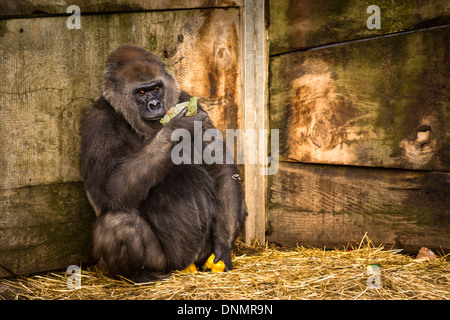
x=138, y=87
x=149, y=98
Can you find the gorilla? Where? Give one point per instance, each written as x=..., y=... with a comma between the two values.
x=153, y=216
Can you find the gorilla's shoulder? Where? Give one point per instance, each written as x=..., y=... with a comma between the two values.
x=101, y=105
x=102, y=113
x=102, y=120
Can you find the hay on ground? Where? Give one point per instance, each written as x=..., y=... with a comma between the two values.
x=265, y=273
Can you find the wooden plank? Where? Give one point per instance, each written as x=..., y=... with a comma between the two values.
x=204, y=55
x=44, y=228
x=384, y=102
x=51, y=75
x=299, y=24
x=320, y=205
x=255, y=116
x=52, y=7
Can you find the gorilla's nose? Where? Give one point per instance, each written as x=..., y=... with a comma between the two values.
x=154, y=105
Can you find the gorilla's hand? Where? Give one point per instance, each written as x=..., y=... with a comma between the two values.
x=223, y=253
x=182, y=122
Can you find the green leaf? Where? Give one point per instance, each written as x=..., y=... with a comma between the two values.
x=192, y=110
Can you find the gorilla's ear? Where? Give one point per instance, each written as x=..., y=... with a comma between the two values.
x=110, y=81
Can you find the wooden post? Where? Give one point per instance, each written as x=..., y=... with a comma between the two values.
x=254, y=115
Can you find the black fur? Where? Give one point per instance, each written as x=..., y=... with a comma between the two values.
x=153, y=216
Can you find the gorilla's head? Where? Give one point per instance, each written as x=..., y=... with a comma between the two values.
x=138, y=87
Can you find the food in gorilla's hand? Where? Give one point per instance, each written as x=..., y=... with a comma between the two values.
x=174, y=111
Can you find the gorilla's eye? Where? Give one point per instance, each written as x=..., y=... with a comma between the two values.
x=156, y=88
x=141, y=92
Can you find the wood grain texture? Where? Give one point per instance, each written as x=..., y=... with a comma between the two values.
x=383, y=102
x=44, y=228
x=320, y=205
x=255, y=116
x=51, y=76
x=204, y=55
x=299, y=24
x=52, y=7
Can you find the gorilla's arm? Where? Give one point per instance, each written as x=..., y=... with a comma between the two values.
x=118, y=168
x=231, y=211
x=135, y=174
x=118, y=172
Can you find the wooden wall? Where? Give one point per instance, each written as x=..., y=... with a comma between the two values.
x=363, y=115
x=364, y=120
x=50, y=76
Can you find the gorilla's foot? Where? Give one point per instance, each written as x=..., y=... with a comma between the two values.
x=190, y=268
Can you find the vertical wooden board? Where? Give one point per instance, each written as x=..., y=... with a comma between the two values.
x=44, y=228
x=53, y=74
x=255, y=62
x=382, y=102
x=332, y=206
x=299, y=24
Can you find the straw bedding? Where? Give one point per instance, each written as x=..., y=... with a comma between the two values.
x=264, y=273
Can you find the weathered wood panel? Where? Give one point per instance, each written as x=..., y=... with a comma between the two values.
x=51, y=75
x=321, y=205
x=44, y=228
x=298, y=24
x=255, y=116
x=49, y=7
x=383, y=102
